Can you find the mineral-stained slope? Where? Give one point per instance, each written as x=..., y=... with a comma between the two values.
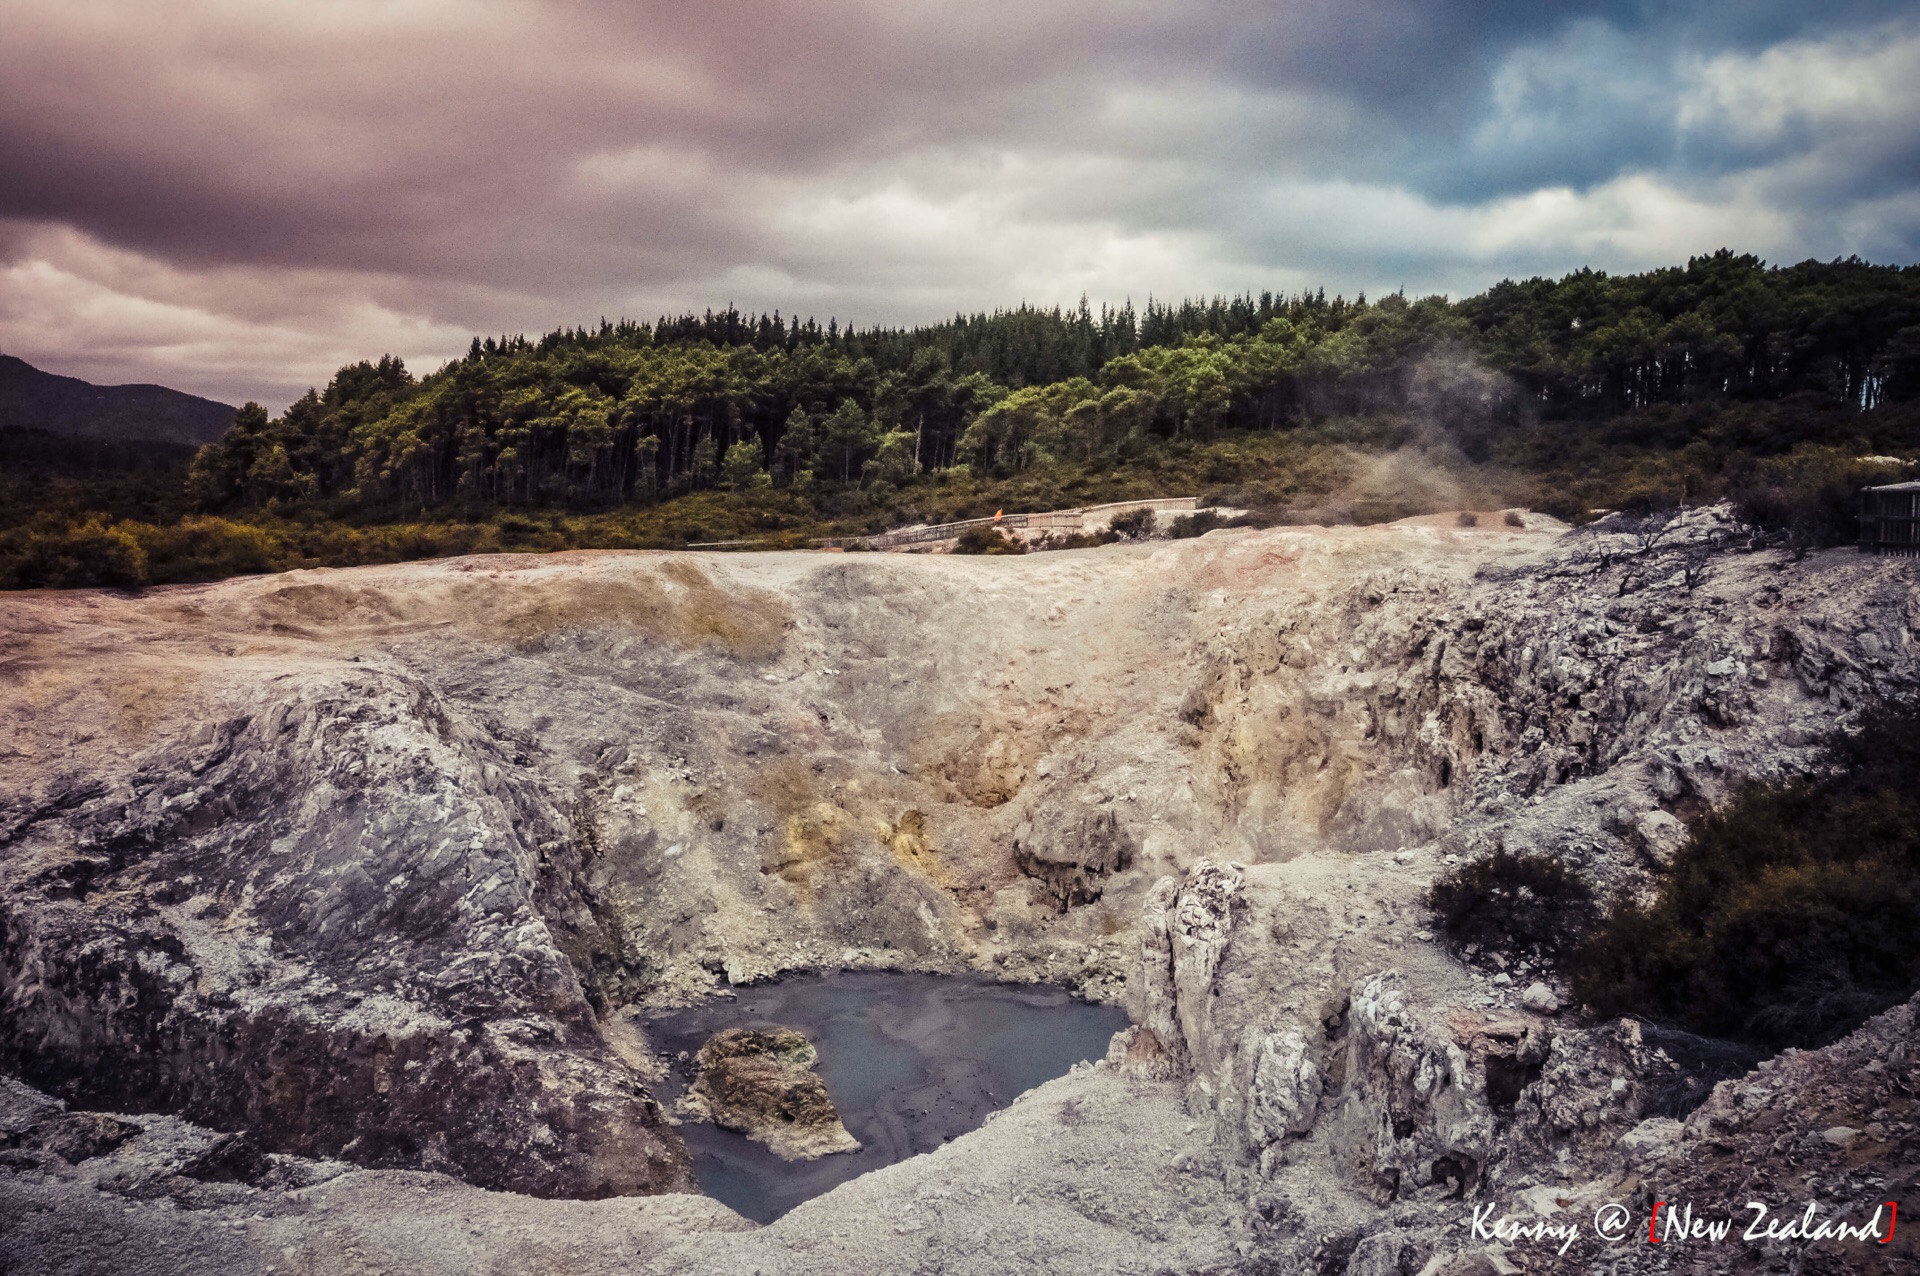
x=379, y=864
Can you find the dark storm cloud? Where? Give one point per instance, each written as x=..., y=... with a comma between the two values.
x=234, y=195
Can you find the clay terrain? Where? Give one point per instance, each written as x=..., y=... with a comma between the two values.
x=332, y=904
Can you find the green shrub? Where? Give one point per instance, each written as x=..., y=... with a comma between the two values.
x=1524, y=906
x=1792, y=912
x=208, y=548
x=1133, y=525
x=89, y=554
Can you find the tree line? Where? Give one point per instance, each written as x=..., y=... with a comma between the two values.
x=632, y=413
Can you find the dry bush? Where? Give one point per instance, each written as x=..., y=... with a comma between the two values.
x=1792, y=913
x=1077, y=540
x=987, y=540
x=1196, y=525
x=1524, y=906
x=1134, y=525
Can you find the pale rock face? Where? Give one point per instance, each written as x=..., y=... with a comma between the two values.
x=1284, y=1089
x=1137, y=1052
x=1200, y=927
x=1661, y=835
x=1591, y=1089
x=1185, y=928
x=1072, y=854
x=1152, y=998
x=324, y=847
x=1651, y=1140
x=1413, y=1116
x=1387, y=1253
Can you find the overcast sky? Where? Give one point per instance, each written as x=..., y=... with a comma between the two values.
x=235, y=196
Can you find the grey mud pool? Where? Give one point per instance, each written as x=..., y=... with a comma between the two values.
x=912, y=1061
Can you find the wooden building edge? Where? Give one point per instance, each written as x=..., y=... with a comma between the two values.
x=1890, y=520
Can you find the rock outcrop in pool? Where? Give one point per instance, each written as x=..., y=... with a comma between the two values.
x=760, y=1082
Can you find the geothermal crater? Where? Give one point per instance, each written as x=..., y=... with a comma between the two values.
x=312, y=883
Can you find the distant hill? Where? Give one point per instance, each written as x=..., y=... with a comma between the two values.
x=72, y=408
